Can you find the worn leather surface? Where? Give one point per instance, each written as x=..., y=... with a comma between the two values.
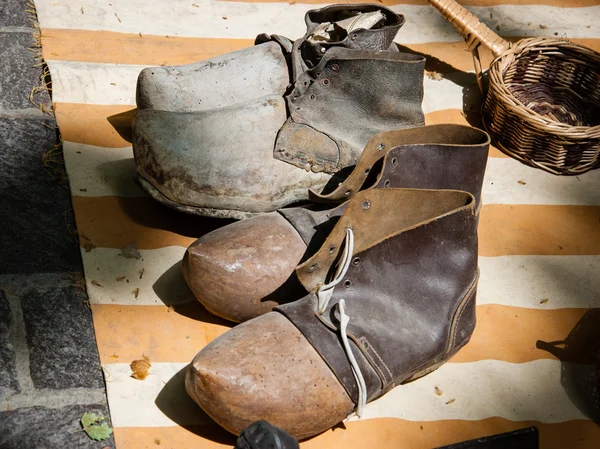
x=407, y=290
x=375, y=91
x=427, y=157
x=379, y=38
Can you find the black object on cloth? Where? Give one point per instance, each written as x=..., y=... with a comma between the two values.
x=262, y=435
x=526, y=438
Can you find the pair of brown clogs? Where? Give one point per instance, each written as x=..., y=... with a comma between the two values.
x=369, y=287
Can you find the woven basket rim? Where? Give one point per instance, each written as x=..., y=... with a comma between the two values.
x=525, y=113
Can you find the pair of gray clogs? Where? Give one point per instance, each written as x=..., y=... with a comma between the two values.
x=252, y=131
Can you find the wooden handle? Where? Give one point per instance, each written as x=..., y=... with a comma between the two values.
x=470, y=27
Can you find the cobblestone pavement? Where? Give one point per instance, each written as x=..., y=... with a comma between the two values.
x=49, y=369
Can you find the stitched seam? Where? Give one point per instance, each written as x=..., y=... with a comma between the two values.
x=461, y=308
x=371, y=349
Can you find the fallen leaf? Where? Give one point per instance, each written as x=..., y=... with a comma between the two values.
x=543, y=27
x=520, y=181
x=544, y=301
x=156, y=440
x=96, y=283
x=438, y=391
x=113, y=84
x=437, y=76
x=224, y=18
x=93, y=426
x=140, y=368
x=120, y=278
x=130, y=251
x=114, y=356
x=141, y=273
x=450, y=401
x=136, y=292
x=187, y=336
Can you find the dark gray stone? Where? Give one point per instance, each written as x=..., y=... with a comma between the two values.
x=33, y=206
x=12, y=13
x=60, y=335
x=44, y=428
x=19, y=76
x=8, y=375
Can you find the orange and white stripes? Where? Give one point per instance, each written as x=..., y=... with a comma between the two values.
x=539, y=234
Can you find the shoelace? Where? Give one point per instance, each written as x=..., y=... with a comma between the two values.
x=323, y=296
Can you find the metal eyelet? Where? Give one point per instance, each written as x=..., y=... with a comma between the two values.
x=356, y=261
x=347, y=283
x=331, y=249
x=335, y=67
x=325, y=82
x=312, y=268
x=312, y=96
x=318, y=74
x=394, y=161
x=366, y=204
x=387, y=183
x=367, y=171
x=353, y=37
x=380, y=147
x=348, y=193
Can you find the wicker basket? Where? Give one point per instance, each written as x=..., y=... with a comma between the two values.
x=543, y=102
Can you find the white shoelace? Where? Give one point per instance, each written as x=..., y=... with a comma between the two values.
x=323, y=296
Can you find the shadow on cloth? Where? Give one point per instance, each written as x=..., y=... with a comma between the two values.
x=174, y=292
x=472, y=96
x=123, y=124
x=175, y=403
x=579, y=354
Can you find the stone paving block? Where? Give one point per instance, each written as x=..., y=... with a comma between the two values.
x=8, y=376
x=35, y=238
x=12, y=13
x=60, y=335
x=19, y=76
x=46, y=428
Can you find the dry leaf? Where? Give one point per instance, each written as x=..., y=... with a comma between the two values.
x=114, y=356
x=141, y=273
x=437, y=76
x=543, y=27
x=140, y=368
x=520, y=181
x=113, y=84
x=224, y=18
x=450, y=401
x=120, y=278
x=136, y=292
x=96, y=283
x=544, y=301
x=438, y=391
x=130, y=251
x=157, y=441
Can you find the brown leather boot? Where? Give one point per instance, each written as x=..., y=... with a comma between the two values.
x=392, y=298
x=243, y=270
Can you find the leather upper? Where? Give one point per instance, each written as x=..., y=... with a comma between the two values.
x=404, y=292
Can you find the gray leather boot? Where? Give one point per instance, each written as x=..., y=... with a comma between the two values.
x=252, y=131
x=265, y=250
x=392, y=297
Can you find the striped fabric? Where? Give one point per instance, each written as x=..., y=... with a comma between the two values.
x=539, y=234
